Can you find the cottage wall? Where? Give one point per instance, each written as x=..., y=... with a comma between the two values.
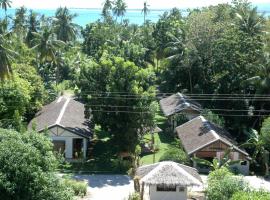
x=162, y=195
x=216, y=150
x=60, y=134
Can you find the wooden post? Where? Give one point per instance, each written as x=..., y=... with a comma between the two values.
x=142, y=192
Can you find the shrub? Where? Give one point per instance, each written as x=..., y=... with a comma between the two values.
x=120, y=165
x=27, y=166
x=134, y=196
x=176, y=155
x=222, y=185
x=252, y=195
x=78, y=187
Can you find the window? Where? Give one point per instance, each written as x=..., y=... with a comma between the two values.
x=167, y=188
x=182, y=189
x=244, y=163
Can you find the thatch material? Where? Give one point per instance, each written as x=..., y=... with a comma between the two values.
x=199, y=133
x=64, y=112
x=177, y=103
x=169, y=173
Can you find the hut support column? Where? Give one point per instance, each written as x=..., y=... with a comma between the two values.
x=142, y=192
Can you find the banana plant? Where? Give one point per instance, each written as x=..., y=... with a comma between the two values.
x=225, y=161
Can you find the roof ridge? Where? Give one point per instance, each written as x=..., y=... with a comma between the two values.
x=216, y=135
x=62, y=112
x=189, y=121
x=184, y=172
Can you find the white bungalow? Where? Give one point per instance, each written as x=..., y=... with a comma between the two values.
x=65, y=122
x=166, y=181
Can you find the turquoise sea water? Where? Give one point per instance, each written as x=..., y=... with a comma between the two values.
x=86, y=16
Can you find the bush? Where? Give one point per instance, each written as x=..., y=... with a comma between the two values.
x=175, y=155
x=134, y=196
x=27, y=166
x=120, y=165
x=78, y=187
x=252, y=195
x=222, y=185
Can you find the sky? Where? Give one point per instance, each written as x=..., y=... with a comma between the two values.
x=132, y=4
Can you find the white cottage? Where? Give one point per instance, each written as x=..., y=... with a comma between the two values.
x=65, y=122
x=166, y=181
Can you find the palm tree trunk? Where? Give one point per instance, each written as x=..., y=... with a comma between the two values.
x=144, y=18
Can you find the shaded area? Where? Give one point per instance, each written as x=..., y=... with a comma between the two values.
x=99, y=181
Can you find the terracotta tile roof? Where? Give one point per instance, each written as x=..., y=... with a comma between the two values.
x=65, y=112
x=199, y=133
x=177, y=103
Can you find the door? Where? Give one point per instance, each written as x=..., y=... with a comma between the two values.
x=77, y=148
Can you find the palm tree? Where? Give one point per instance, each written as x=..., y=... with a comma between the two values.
x=20, y=19
x=216, y=163
x=108, y=5
x=6, y=55
x=33, y=26
x=64, y=28
x=249, y=20
x=5, y=4
x=46, y=45
x=119, y=9
x=175, y=52
x=145, y=10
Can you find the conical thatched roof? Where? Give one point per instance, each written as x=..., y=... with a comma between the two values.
x=169, y=173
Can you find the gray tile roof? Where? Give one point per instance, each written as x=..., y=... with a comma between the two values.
x=168, y=173
x=177, y=103
x=65, y=112
x=199, y=133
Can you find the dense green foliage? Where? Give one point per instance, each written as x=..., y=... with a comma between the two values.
x=218, y=55
x=252, y=195
x=27, y=168
x=222, y=185
x=175, y=155
x=78, y=187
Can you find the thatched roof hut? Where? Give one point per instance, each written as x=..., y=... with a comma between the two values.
x=169, y=173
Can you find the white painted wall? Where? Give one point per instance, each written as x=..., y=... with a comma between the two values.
x=155, y=195
x=59, y=134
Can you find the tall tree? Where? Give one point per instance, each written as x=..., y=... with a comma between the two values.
x=46, y=45
x=64, y=27
x=33, y=27
x=122, y=116
x=249, y=20
x=108, y=5
x=6, y=54
x=119, y=9
x=19, y=26
x=145, y=10
x=5, y=4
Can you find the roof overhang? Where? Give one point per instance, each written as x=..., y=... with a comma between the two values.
x=65, y=128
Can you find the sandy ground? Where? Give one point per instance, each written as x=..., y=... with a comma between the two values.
x=102, y=187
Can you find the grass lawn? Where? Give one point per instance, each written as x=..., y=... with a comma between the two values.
x=163, y=141
x=103, y=157
x=103, y=154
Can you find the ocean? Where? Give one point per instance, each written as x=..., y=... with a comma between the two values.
x=86, y=16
